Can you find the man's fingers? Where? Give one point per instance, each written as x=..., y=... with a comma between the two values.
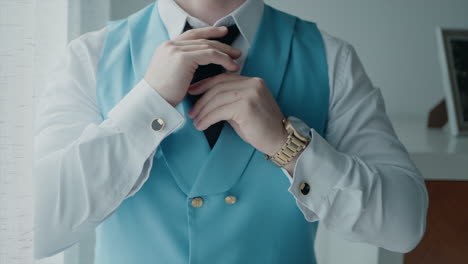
x=204, y=57
x=192, y=45
x=210, y=96
x=223, y=112
x=218, y=100
x=208, y=83
x=203, y=33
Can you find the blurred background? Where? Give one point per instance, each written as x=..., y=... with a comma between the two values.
x=396, y=41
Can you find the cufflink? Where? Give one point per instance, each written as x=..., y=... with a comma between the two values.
x=157, y=124
x=304, y=188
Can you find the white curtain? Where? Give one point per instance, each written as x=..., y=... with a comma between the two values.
x=33, y=34
x=18, y=80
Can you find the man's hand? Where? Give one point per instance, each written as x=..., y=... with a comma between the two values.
x=248, y=106
x=175, y=61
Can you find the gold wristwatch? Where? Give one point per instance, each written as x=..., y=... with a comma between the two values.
x=295, y=143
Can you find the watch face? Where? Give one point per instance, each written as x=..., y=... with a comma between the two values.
x=300, y=126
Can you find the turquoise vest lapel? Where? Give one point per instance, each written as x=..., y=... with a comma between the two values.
x=185, y=149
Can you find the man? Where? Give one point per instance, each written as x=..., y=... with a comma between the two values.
x=184, y=143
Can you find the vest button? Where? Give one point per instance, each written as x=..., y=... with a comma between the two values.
x=197, y=202
x=304, y=188
x=157, y=124
x=230, y=199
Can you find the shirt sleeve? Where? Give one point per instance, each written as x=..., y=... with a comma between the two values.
x=84, y=167
x=363, y=184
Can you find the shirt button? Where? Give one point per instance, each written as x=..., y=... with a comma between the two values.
x=230, y=199
x=304, y=188
x=197, y=202
x=157, y=124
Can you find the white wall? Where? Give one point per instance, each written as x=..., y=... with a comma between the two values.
x=122, y=8
x=87, y=15
x=395, y=40
x=94, y=14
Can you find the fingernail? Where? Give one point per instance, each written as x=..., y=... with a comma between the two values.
x=195, y=124
x=192, y=92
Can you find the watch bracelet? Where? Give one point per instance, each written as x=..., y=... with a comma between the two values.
x=285, y=154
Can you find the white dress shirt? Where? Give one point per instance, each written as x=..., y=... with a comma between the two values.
x=364, y=186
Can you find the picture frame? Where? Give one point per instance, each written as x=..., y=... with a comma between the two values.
x=453, y=56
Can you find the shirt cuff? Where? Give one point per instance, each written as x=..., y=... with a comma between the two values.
x=135, y=113
x=321, y=167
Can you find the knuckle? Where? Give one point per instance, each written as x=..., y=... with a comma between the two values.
x=236, y=94
x=258, y=82
x=258, y=89
x=212, y=93
x=214, y=42
x=179, y=56
x=191, y=33
x=225, y=56
x=172, y=49
x=255, y=93
x=169, y=45
x=213, y=52
x=166, y=45
x=202, y=112
x=217, y=77
x=251, y=104
x=246, y=104
x=205, y=46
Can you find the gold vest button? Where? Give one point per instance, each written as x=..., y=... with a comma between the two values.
x=197, y=202
x=230, y=199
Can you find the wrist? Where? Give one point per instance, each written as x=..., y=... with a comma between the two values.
x=161, y=93
x=278, y=142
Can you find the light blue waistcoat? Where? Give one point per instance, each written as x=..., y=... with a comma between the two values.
x=158, y=224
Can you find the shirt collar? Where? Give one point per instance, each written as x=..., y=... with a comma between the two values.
x=247, y=18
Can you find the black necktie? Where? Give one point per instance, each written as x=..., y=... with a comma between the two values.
x=210, y=70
